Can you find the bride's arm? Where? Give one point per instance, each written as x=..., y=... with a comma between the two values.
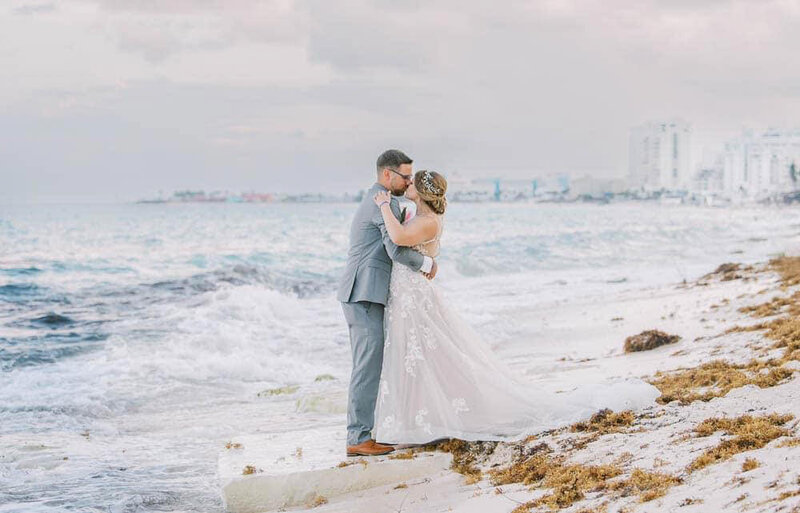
x=418, y=230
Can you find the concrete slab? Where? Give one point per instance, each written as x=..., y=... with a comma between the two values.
x=297, y=468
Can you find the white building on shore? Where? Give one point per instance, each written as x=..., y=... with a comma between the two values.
x=759, y=166
x=660, y=156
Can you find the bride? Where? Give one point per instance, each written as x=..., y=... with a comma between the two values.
x=439, y=379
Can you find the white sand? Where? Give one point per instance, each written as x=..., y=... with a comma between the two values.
x=700, y=314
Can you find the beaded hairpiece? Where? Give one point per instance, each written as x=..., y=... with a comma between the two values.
x=427, y=179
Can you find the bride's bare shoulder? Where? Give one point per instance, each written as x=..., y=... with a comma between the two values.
x=428, y=223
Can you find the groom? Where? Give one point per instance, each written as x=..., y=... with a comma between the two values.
x=363, y=292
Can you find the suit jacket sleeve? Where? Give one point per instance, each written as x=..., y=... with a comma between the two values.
x=400, y=254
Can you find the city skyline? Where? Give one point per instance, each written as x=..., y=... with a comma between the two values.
x=706, y=170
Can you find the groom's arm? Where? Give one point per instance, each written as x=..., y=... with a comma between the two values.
x=401, y=254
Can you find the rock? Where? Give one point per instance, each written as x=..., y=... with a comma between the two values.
x=649, y=339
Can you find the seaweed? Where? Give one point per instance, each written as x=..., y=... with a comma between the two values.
x=402, y=455
x=748, y=433
x=465, y=456
x=250, y=469
x=316, y=501
x=750, y=464
x=715, y=379
x=649, y=339
x=647, y=485
x=570, y=482
x=285, y=390
x=605, y=421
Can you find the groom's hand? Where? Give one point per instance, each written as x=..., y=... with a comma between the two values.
x=432, y=274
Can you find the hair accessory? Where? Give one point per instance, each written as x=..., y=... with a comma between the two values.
x=427, y=179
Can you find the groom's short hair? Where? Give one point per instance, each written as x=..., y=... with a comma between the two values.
x=392, y=158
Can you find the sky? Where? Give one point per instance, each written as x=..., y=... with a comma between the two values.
x=119, y=99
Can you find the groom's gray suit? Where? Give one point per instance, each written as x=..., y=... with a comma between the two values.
x=363, y=292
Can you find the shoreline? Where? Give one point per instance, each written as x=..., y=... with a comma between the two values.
x=737, y=417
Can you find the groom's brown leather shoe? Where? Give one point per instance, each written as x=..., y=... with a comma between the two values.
x=368, y=448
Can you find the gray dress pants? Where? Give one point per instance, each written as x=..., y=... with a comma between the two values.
x=365, y=322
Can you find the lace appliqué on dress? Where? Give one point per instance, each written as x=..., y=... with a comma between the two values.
x=460, y=405
x=419, y=420
x=413, y=351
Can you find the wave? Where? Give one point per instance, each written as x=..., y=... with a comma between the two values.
x=19, y=290
x=30, y=294
x=19, y=352
x=52, y=320
x=295, y=284
x=136, y=314
x=20, y=271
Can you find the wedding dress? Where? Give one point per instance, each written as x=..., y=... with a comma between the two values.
x=441, y=380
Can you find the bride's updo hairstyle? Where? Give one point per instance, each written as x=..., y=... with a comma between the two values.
x=431, y=187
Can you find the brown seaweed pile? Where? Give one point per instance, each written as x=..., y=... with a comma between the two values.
x=649, y=339
x=605, y=421
x=748, y=433
x=249, y=470
x=465, y=456
x=750, y=464
x=316, y=501
x=726, y=272
x=789, y=269
x=715, y=379
x=647, y=485
x=777, y=305
x=570, y=482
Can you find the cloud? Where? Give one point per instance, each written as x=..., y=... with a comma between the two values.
x=160, y=30
x=27, y=9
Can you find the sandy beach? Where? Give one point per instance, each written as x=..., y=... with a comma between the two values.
x=724, y=439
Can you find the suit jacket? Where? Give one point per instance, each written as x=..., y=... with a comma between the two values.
x=369, y=260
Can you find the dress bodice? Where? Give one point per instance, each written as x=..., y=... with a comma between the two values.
x=431, y=247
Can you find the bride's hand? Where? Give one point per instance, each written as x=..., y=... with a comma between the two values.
x=381, y=197
x=431, y=275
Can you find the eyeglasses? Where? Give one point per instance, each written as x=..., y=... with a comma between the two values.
x=408, y=178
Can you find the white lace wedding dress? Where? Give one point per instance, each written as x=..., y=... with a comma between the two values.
x=441, y=380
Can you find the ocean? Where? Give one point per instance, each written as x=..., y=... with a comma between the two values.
x=135, y=338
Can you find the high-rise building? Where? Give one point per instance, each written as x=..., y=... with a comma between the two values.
x=757, y=166
x=660, y=155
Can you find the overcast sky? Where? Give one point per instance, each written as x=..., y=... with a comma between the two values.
x=118, y=99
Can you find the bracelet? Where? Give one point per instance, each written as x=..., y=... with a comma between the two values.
x=382, y=203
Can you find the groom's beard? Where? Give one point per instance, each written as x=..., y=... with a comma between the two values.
x=399, y=191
